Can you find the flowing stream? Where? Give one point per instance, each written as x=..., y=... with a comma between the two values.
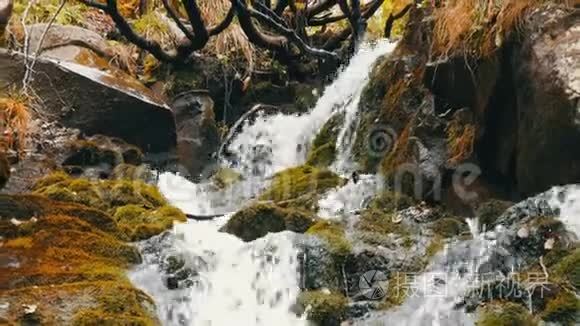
x=230, y=281
x=200, y=276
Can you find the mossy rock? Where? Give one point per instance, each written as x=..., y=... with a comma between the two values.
x=390, y=201
x=258, y=220
x=379, y=216
x=118, y=198
x=324, y=308
x=106, y=195
x=334, y=235
x=569, y=268
x=301, y=186
x=133, y=172
x=490, y=211
x=505, y=314
x=23, y=207
x=322, y=156
x=225, y=177
x=90, y=153
x=448, y=227
x=563, y=309
x=323, y=150
x=140, y=223
x=4, y=170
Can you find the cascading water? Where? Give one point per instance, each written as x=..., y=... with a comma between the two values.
x=273, y=143
x=200, y=276
x=216, y=278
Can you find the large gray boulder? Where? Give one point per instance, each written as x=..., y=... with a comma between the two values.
x=96, y=99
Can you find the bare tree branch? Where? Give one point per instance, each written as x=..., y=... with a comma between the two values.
x=173, y=15
x=290, y=35
x=225, y=23
x=392, y=18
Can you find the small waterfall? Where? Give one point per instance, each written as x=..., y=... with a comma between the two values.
x=273, y=143
x=217, y=279
x=433, y=295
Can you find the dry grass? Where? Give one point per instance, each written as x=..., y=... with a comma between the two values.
x=478, y=26
x=233, y=41
x=14, y=122
x=460, y=141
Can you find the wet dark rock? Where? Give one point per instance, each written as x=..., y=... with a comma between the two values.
x=256, y=221
x=125, y=108
x=197, y=134
x=4, y=170
x=318, y=267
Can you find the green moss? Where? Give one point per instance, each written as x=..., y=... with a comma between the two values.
x=139, y=223
x=304, y=183
x=225, y=177
x=323, y=150
x=435, y=246
x=334, y=235
x=118, y=304
x=397, y=290
x=562, y=309
x=569, y=268
x=489, y=211
x=448, y=227
x=377, y=221
x=324, y=308
x=389, y=201
x=505, y=314
x=258, y=220
x=51, y=179
x=322, y=156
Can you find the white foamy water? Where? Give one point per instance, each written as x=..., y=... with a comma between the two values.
x=344, y=201
x=252, y=283
x=273, y=143
x=433, y=295
x=230, y=281
x=567, y=200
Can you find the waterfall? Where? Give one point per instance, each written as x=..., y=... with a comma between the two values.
x=273, y=143
x=198, y=275
x=217, y=279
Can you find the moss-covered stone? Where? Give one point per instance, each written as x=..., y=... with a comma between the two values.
x=488, y=212
x=133, y=172
x=380, y=214
x=140, y=223
x=334, y=235
x=505, y=314
x=258, y=220
x=323, y=150
x=225, y=177
x=324, y=308
x=322, y=156
x=139, y=209
x=449, y=227
x=563, y=309
x=569, y=268
x=301, y=186
x=397, y=290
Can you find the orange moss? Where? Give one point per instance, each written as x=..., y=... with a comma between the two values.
x=460, y=141
x=401, y=152
x=14, y=122
x=478, y=27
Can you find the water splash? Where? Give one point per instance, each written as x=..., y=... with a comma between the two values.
x=228, y=280
x=252, y=283
x=273, y=143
